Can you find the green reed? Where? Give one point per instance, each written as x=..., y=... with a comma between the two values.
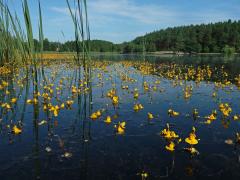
x=7, y=42
x=79, y=17
x=16, y=39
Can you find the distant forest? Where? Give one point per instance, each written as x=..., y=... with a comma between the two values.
x=204, y=38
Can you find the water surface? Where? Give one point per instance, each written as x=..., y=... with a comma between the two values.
x=72, y=145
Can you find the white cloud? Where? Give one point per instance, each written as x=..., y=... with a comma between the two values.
x=99, y=9
x=103, y=12
x=148, y=14
x=61, y=10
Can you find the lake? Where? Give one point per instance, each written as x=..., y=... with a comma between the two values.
x=111, y=126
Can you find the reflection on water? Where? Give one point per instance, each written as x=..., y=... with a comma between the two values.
x=57, y=129
x=231, y=63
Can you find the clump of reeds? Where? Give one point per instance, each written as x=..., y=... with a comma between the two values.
x=11, y=44
x=79, y=15
x=16, y=44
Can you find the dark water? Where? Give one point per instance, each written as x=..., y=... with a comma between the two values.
x=93, y=150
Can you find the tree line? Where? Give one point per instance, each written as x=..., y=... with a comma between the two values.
x=204, y=38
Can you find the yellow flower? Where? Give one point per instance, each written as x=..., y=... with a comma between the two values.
x=135, y=107
x=235, y=117
x=168, y=134
x=170, y=146
x=94, y=116
x=208, y=121
x=51, y=91
x=98, y=113
x=62, y=106
x=175, y=113
x=55, y=112
x=172, y=112
x=54, y=109
x=173, y=134
x=29, y=101
x=187, y=94
x=136, y=95
x=16, y=130
x=35, y=101
x=150, y=116
x=146, y=88
x=4, y=83
x=140, y=106
x=212, y=117
x=120, y=127
x=44, y=107
x=69, y=103
x=45, y=95
x=13, y=100
x=6, y=105
x=108, y=120
x=111, y=93
x=192, y=138
x=221, y=106
x=115, y=100
x=74, y=89
x=166, y=130
x=225, y=109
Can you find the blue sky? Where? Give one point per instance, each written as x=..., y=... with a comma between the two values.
x=123, y=20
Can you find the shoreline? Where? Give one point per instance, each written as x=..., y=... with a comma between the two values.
x=70, y=55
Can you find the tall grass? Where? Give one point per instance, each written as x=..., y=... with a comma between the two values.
x=17, y=48
x=8, y=43
x=79, y=15
x=16, y=39
x=41, y=38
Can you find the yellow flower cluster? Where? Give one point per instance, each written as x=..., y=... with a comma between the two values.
x=138, y=107
x=225, y=109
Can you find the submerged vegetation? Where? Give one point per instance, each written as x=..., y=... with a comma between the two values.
x=72, y=116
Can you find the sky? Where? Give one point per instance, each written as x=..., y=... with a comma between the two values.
x=123, y=20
